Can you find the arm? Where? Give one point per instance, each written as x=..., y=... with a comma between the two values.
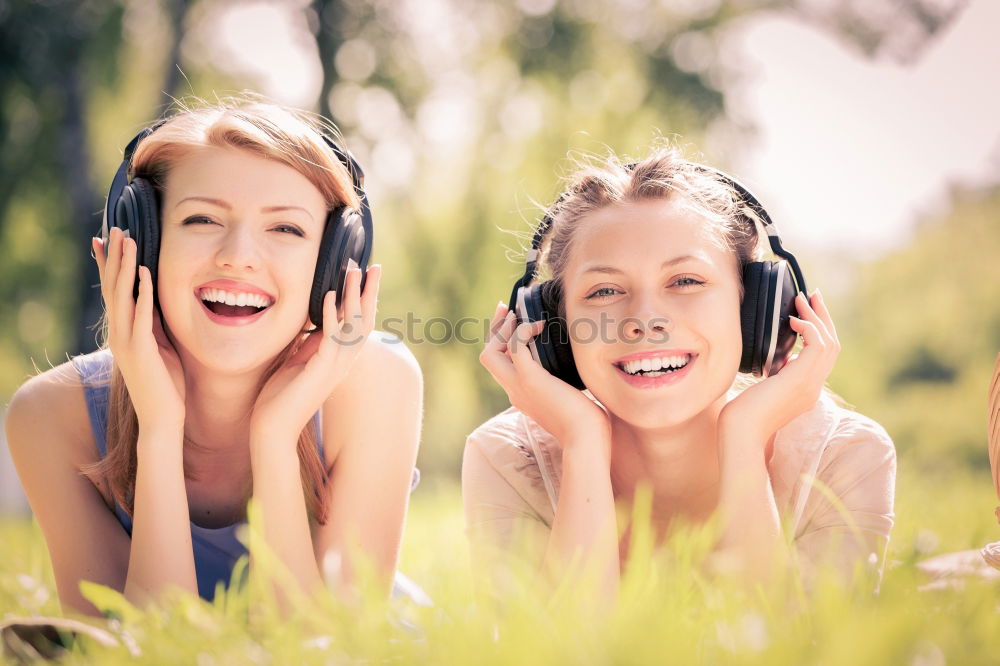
x=48, y=433
x=752, y=537
x=161, y=554
x=585, y=524
x=752, y=541
x=584, y=530
x=371, y=428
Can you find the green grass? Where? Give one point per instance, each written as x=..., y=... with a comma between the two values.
x=667, y=611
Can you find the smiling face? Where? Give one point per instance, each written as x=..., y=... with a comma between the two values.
x=242, y=229
x=654, y=281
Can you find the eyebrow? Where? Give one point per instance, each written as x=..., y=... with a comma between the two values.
x=597, y=268
x=224, y=205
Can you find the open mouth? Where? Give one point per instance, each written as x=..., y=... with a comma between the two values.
x=654, y=367
x=234, y=304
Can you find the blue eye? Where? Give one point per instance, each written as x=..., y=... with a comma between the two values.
x=603, y=292
x=688, y=282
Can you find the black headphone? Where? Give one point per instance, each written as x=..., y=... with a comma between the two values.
x=768, y=300
x=134, y=206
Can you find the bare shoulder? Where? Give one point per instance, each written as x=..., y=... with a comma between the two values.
x=380, y=401
x=385, y=351
x=385, y=364
x=48, y=413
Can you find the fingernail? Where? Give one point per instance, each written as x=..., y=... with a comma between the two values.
x=351, y=264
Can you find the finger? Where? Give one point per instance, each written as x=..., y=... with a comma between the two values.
x=807, y=313
x=97, y=249
x=499, y=315
x=158, y=333
x=111, y=266
x=819, y=305
x=500, y=339
x=369, y=299
x=501, y=368
x=520, y=353
x=811, y=336
x=351, y=302
x=125, y=283
x=331, y=327
x=143, y=324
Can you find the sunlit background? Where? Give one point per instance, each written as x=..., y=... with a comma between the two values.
x=868, y=128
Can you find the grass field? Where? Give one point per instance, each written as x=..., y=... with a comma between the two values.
x=667, y=612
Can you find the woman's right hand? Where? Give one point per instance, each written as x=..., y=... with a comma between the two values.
x=148, y=361
x=561, y=409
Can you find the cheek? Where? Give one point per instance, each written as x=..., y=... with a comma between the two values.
x=720, y=325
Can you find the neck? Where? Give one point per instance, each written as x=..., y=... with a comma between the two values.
x=218, y=409
x=680, y=464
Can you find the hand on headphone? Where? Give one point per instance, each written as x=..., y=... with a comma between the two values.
x=300, y=387
x=148, y=361
x=561, y=409
x=770, y=404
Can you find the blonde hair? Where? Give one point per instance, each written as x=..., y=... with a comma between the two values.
x=291, y=137
x=662, y=175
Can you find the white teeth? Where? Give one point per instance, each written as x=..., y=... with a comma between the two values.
x=235, y=298
x=654, y=365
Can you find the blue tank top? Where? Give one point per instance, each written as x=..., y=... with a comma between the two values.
x=216, y=550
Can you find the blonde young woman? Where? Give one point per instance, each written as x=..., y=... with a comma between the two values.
x=651, y=271
x=239, y=362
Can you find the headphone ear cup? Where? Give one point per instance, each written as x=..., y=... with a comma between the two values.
x=138, y=213
x=752, y=276
x=344, y=238
x=779, y=338
x=555, y=337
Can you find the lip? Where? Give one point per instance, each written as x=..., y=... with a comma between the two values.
x=233, y=285
x=655, y=382
x=656, y=353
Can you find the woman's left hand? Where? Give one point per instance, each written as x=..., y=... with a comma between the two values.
x=297, y=390
x=768, y=405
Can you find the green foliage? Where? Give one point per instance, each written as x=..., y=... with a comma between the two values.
x=668, y=611
x=920, y=334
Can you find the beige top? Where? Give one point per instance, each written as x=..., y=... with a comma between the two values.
x=512, y=467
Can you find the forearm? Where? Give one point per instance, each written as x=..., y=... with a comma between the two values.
x=585, y=529
x=279, y=498
x=161, y=554
x=751, y=539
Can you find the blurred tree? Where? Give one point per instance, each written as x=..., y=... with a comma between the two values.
x=463, y=111
x=921, y=332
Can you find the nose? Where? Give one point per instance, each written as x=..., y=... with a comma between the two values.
x=238, y=250
x=648, y=316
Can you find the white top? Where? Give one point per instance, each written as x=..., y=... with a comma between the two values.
x=512, y=468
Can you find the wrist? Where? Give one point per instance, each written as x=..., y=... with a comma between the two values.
x=265, y=441
x=592, y=443
x=160, y=440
